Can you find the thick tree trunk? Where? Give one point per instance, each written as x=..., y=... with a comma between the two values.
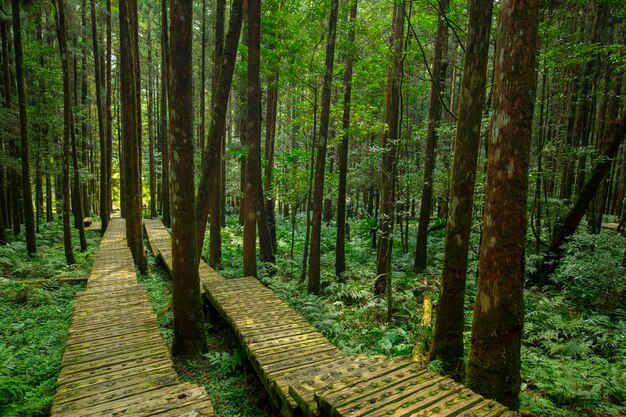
x=494, y=359
x=391, y=137
x=340, y=243
x=67, y=127
x=210, y=173
x=320, y=161
x=27, y=199
x=189, y=338
x=131, y=130
x=440, y=63
x=567, y=226
x=450, y=323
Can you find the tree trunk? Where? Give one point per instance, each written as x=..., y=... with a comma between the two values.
x=109, y=114
x=340, y=243
x=253, y=167
x=165, y=103
x=391, y=137
x=27, y=199
x=440, y=63
x=189, y=338
x=450, y=323
x=210, y=173
x=270, y=137
x=567, y=226
x=494, y=359
x=320, y=162
x=151, y=139
x=6, y=85
x=67, y=126
x=78, y=214
x=131, y=130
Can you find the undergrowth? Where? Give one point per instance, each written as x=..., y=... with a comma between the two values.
x=35, y=314
x=232, y=386
x=574, y=346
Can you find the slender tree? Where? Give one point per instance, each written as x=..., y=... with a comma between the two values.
x=164, y=107
x=253, y=166
x=211, y=160
x=440, y=64
x=494, y=359
x=391, y=137
x=449, y=326
x=27, y=199
x=340, y=246
x=6, y=86
x=320, y=159
x=189, y=338
x=151, y=140
x=131, y=130
x=67, y=127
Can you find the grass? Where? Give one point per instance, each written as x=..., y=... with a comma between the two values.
x=35, y=314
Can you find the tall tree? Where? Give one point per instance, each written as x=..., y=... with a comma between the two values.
x=391, y=137
x=340, y=245
x=107, y=107
x=27, y=199
x=449, y=326
x=494, y=359
x=6, y=86
x=253, y=166
x=215, y=234
x=189, y=338
x=320, y=161
x=211, y=160
x=440, y=64
x=151, y=139
x=131, y=130
x=67, y=127
x=165, y=103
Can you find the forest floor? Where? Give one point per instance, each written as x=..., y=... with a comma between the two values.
x=35, y=314
x=573, y=354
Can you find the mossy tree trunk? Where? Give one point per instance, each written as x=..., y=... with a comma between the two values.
x=450, y=323
x=131, y=130
x=494, y=360
x=320, y=159
x=189, y=337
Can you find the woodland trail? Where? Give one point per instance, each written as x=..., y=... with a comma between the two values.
x=115, y=360
x=305, y=374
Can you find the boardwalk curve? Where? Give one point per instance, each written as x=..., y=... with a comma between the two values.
x=305, y=374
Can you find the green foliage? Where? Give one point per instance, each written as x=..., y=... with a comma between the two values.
x=227, y=362
x=35, y=313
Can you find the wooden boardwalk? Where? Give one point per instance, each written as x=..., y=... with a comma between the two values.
x=305, y=374
x=115, y=361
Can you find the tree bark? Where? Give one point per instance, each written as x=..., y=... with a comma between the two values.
x=107, y=107
x=391, y=137
x=320, y=161
x=189, y=337
x=131, y=130
x=270, y=137
x=450, y=323
x=6, y=85
x=210, y=173
x=253, y=167
x=440, y=63
x=67, y=126
x=494, y=359
x=165, y=104
x=151, y=139
x=27, y=199
x=340, y=243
